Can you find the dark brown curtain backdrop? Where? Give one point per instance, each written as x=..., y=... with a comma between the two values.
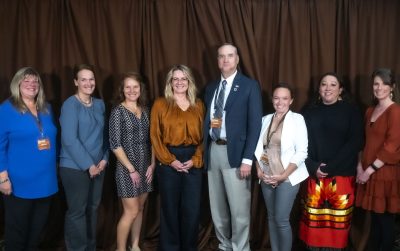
x=294, y=41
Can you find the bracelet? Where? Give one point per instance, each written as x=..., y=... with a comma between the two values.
x=374, y=167
x=134, y=171
x=4, y=181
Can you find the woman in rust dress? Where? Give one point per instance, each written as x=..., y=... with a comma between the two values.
x=378, y=171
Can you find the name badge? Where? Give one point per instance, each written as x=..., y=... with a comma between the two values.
x=216, y=123
x=43, y=144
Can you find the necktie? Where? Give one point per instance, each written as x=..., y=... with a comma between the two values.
x=219, y=107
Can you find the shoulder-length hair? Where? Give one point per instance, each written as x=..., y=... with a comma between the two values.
x=388, y=78
x=16, y=98
x=192, y=90
x=142, y=100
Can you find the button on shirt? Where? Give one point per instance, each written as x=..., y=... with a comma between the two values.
x=229, y=82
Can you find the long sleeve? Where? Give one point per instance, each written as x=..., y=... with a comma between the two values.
x=3, y=140
x=83, y=136
x=390, y=152
x=300, y=141
x=157, y=133
x=170, y=126
x=198, y=155
x=350, y=149
x=253, y=121
x=71, y=143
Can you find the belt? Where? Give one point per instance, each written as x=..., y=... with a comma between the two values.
x=221, y=142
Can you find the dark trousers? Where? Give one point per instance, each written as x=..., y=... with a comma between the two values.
x=180, y=195
x=382, y=231
x=83, y=196
x=24, y=222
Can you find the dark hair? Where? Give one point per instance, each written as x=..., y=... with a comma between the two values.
x=386, y=75
x=79, y=67
x=283, y=85
x=344, y=94
x=388, y=78
x=142, y=100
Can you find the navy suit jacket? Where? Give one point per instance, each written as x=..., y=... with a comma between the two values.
x=243, y=114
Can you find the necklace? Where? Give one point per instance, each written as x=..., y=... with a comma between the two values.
x=135, y=110
x=85, y=103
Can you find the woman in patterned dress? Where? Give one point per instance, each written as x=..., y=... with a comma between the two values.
x=378, y=171
x=130, y=142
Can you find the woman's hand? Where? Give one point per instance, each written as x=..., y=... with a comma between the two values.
x=279, y=178
x=178, y=166
x=187, y=165
x=150, y=173
x=319, y=173
x=93, y=171
x=102, y=165
x=364, y=177
x=135, y=177
x=360, y=171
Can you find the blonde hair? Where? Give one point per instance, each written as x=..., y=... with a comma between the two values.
x=192, y=90
x=16, y=98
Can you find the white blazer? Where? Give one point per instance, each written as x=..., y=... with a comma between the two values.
x=294, y=144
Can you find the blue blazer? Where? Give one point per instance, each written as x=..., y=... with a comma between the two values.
x=243, y=113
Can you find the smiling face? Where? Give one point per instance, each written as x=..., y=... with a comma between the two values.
x=329, y=89
x=85, y=82
x=381, y=90
x=131, y=90
x=29, y=87
x=179, y=82
x=281, y=100
x=228, y=60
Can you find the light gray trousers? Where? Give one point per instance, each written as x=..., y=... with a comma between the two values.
x=279, y=202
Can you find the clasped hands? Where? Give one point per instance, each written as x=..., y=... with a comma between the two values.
x=95, y=170
x=272, y=180
x=182, y=167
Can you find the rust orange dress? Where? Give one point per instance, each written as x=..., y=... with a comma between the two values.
x=382, y=191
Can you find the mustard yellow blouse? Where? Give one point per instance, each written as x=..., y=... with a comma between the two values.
x=171, y=126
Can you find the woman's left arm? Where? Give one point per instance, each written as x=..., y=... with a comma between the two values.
x=300, y=140
x=390, y=152
x=197, y=158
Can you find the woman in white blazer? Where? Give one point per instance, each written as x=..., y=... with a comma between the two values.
x=280, y=153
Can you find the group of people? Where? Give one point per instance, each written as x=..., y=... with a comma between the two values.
x=343, y=161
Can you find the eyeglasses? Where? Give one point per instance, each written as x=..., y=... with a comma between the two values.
x=179, y=79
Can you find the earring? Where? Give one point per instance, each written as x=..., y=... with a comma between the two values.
x=339, y=98
x=391, y=95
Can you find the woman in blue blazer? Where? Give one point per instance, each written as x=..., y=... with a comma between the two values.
x=280, y=152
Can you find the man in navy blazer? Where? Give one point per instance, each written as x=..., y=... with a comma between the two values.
x=229, y=155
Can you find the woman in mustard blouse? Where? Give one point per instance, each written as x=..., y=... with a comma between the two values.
x=176, y=135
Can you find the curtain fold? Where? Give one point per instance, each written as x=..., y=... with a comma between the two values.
x=292, y=41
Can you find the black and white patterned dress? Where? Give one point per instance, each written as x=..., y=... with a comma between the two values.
x=132, y=134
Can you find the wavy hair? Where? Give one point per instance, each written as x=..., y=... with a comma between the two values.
x=16, y=98
x=192, y=90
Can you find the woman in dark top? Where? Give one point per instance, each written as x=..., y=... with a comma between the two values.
x=335, y=137
x=130, y=142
